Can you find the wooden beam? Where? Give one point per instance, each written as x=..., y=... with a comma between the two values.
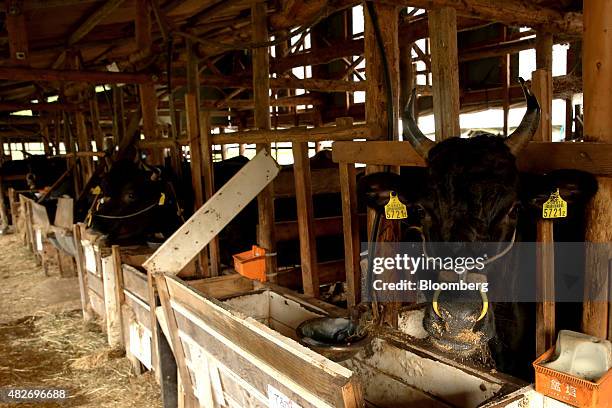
x=47, y=107
x=296, y=134
x=93, y=20
x=261, y=96
x=511, y=13
x=597, y=74
x=444, y=72
x=538, y=157
x=95, y=77
x=287, y=101
x=18, y=33
x=303, y=198
x=311, y=84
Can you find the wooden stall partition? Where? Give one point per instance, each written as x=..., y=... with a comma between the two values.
x=91, y=265
x=82, y=273
x=14, y=208
x=39, y=226
x=225, y=358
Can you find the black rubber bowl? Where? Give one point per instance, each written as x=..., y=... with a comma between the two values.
x=335, y=338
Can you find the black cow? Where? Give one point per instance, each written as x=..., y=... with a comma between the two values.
x=472, y=192
x=33, y=175
x=137, y=204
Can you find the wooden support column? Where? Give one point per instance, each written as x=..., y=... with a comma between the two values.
x=377, y=102
x=84, y=144
x=444, y=71
x=597, y=77
x=4, y=220
x=192, y=114
x=407, y=75
x=376, y=95
x=261, y=96
x=209, y=184
x=350, y=228
x=305, y=217
x=148, y=96
x=541, y=86
x=82, y=273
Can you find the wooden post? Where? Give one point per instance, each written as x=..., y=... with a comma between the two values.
x=13, y=207
x=377, y=102
x=112, y=299
x=4, y=221
x=148, y=97
x=209, y=184
x=541, y=85
x=303, y=198
x=192, y=114
x=444, y=71
x=350, y=228
x=597, y=78
x=82, y=273
x=407, y=76
x=261, y=96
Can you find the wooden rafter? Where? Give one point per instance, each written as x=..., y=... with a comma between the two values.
x=97, y=77
x=93, y=20
x=17, y=32
x=509, y=12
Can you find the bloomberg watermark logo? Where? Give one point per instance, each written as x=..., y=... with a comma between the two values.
x=506, y=272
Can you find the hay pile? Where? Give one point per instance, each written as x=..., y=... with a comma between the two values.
x=60, y=351
x=44, y=343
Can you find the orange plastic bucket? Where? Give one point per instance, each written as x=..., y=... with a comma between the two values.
x=252, y=263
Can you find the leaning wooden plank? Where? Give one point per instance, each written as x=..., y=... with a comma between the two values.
x=39, y=215
x=213, y=216
x=304, y=372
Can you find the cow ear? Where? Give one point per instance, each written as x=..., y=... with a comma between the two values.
x=575, y=186
x=375, y=189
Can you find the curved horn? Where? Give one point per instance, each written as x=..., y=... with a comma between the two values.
x=529, y=125
x=411, y=130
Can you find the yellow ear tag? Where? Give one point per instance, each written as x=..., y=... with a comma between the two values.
x=555, y=207
x=162, y=199
x=395, y=209
x=96, y=190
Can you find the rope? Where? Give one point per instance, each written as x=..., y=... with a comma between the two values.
x=121, y=217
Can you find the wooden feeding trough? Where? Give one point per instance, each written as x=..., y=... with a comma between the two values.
x=49, y=238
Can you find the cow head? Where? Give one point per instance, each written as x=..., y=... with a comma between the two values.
x=133, y=202
x=470, y=194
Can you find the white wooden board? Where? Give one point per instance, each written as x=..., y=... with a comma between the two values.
x=213, y=216
x=140, y=343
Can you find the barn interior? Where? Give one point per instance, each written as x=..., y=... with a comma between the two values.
x=203, y=173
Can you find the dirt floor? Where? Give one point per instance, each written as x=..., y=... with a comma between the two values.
x=44, y=342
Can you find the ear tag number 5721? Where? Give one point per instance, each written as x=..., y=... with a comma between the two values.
x=395, y=209
x=555, y=207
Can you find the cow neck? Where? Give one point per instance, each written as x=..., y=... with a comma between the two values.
x=485, y=262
